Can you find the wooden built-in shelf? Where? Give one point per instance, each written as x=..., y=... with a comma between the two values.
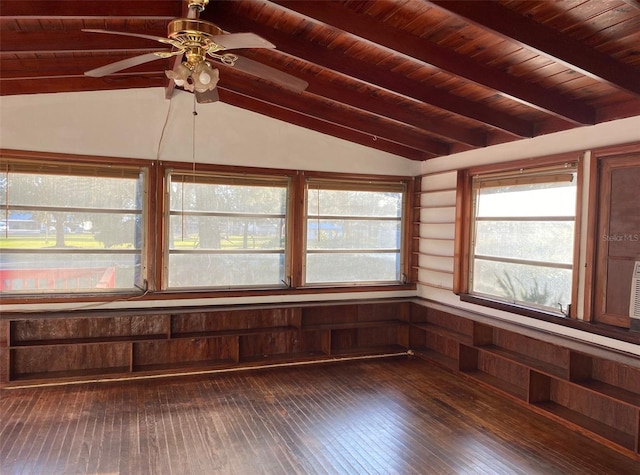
x=444, y=332
x=69, y=375
x=349, y=325
x=236, y=332
x=526, y=361
x=498, y=384
x=183, y=367
x=87, y=341
x=591, y=393
x=611, y=391
x=92, y=345
x=597, y=428
x=432, y=355
x=594, y=395
x=374, y=350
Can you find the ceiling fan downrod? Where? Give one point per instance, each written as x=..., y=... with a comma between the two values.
x=198, y=5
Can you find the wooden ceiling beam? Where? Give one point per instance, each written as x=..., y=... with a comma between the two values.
x=427, y=52
x=81, y=9
x=376, y=105
x=70, y=66
x=545, y=41
x=237, y=99
x=334, y=113
x=223, y=15
x=75, y=40
x=79, y=83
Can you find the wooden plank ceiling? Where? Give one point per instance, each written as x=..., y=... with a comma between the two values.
x=415, y=78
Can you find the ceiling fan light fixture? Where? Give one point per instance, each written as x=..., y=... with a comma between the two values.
x=204, y=77
x=200, y=78
x=180, y=74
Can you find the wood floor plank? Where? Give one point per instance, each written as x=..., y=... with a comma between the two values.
x=394, y=415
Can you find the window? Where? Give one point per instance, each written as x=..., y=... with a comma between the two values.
x=522, y=237
x=226, y=231
x=72, y=227
x=67, y=228
x=353, y=232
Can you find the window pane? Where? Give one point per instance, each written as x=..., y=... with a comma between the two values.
x=353, y=203
x=549, y=241
x=70, y=230
x=218, y=232
x=68, y=273
x=225, y=198
x=353, y=234
x=353, y=267
x=528, y=200
x=226, y=270
x=28, y=189
x=357, y=220
x=539, y=286
x=67, y=233
x=237, y=222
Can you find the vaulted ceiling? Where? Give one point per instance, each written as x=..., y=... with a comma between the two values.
x=415, y=78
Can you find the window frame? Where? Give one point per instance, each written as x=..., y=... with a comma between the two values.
x=215, y=178
x=465, y=225
x=104, y=167
x=368, y=185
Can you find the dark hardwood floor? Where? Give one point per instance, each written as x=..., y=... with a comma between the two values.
x=384, y=416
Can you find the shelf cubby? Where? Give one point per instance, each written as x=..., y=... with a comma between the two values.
x=340, y=330
x=542, y=356
x=595, y=427
x=508, y=377
x=69, y=361
x=263, y=345
x=184, y=353
x=99, y=329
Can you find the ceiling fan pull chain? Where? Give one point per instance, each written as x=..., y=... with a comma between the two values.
x=193, y=136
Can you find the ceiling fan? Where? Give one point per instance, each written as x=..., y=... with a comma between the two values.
x=195, y=41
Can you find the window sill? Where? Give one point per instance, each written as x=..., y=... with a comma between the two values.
x=617, y=333
x=187, y=295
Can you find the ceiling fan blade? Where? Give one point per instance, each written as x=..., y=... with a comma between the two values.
x=120, y=65
x=136, y=35
x=207, y=96
x=242, y=40
x=271, y=74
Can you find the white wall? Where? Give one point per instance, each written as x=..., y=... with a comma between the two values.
x=129, y=123
x=437, y=221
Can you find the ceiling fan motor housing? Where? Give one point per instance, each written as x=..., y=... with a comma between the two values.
x=195, y=37
x=192, y=30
